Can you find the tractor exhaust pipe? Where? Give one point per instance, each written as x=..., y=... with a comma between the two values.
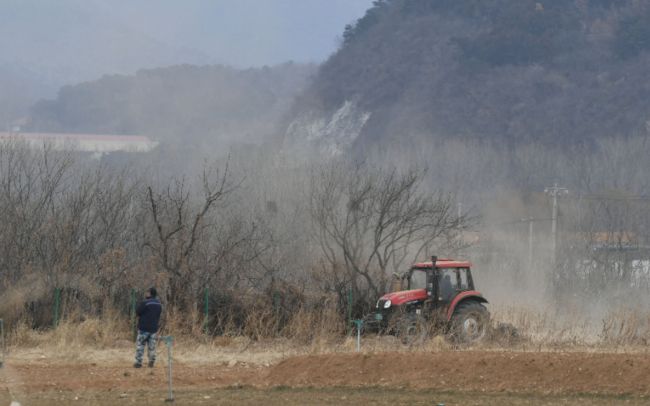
x=431, y=277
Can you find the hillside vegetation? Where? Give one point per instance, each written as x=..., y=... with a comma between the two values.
x=179, y=104
x=508, y=71
x=553, y=71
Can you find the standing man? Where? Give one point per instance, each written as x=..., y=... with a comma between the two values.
x=148, y=313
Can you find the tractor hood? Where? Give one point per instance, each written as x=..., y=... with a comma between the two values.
x=404, y=296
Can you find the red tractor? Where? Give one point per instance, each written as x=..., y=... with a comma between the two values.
x=438, y=294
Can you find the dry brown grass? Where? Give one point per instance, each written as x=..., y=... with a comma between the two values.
x=70, y=335
x=264, y=340
x=621, y=330
x=630, y=327
x=13, y=301
x=307, y=326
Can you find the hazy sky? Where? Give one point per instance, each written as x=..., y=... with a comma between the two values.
x=49, y=43
x=244, y=32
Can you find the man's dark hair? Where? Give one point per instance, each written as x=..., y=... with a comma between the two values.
x=153, y=292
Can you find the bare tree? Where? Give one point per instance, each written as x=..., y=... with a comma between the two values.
x=31, y=182
x=178, y=224
x=368, y=221
x=195, y=242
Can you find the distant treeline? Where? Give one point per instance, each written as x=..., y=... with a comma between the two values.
x=180, y=103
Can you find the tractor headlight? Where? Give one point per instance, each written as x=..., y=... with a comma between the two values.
x=387, y=304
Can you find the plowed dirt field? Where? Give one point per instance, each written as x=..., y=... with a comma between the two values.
x=462, y=377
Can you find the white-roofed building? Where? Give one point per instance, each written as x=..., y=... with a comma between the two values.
x=93, y=143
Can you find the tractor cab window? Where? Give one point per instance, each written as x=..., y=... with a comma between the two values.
x=418, y=279
x=464, y=281
x=448, y=283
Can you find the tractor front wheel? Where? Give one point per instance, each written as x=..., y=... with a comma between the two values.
x=411, y=329
x=470, y=322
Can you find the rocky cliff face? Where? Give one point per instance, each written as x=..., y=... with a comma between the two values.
x=328, y=134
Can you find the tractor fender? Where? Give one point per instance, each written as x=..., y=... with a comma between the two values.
x=464, y=296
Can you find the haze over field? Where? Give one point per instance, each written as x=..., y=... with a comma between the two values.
x=316, y=148
x=49, y=43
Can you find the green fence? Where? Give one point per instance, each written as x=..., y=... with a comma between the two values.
x=211, y=306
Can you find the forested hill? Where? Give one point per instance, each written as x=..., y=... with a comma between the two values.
x=507, y=70
x=185, y=104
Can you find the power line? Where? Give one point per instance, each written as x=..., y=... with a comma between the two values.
x=610, y=197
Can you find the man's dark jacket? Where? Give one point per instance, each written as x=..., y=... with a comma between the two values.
x=148, y=312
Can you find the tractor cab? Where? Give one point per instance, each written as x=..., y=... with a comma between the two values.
x=449, y=278
x=441, y=288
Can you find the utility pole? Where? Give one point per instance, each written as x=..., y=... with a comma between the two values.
x=459, y=219
x=555, y=192
x=530, y=221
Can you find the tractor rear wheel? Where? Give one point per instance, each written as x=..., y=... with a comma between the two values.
x=470, y=323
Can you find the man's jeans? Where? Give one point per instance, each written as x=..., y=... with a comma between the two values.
x=150, y=340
